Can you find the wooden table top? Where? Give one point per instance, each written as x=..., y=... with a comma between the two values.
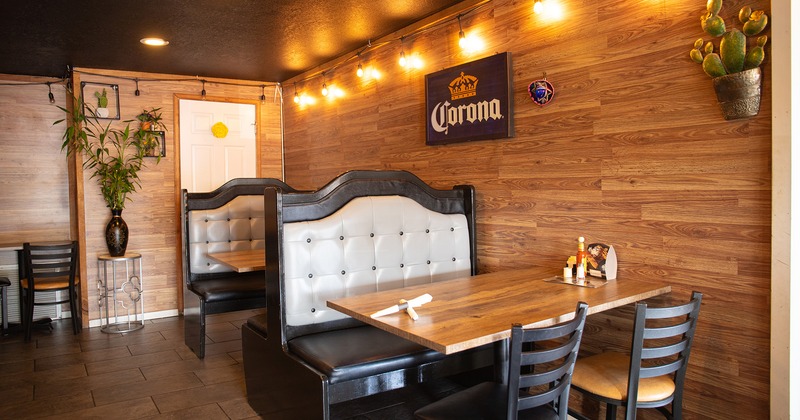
x=473, y=311
x=241, y=261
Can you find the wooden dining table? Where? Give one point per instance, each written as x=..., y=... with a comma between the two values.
x=472, y=311
x=241, y=261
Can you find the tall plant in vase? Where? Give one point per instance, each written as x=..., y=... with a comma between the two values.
x=114, y=156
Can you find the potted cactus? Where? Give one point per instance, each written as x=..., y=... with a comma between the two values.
x=102, y=104
x=735, y=69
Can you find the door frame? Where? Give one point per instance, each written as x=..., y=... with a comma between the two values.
x=176, y=105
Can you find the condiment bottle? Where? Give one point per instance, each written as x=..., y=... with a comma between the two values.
x=580, y=260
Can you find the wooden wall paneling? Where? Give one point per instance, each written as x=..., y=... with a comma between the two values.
x=35, y=194
x=632, y=151
x=32, y=157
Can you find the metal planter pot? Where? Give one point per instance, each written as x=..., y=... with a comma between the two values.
x=739, y=94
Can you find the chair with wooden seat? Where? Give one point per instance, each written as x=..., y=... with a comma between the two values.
x=652, y=376
x=540, y=367
x=50, y=268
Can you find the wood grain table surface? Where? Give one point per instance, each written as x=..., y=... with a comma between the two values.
x=241, y=261
x=472, y=311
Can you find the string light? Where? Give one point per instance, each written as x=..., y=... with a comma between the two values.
x=403, y=61
x=549, y=9
x=136, y=92
x=469, y=44
x=203, y=92
x=462, y=39
x=296, y=96
x=50, y=94
x=263, y=97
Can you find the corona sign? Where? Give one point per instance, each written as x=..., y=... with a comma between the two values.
x=470, y=102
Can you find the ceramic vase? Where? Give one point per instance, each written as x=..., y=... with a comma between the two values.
x=116, y=234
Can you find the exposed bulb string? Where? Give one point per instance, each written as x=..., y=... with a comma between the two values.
x=50, y=94
x=426, y=28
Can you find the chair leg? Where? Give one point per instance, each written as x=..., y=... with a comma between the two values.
x=29, y=298
x=611, y=412
x=74, y=311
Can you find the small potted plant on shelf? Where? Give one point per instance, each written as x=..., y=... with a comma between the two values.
x=150, y=123
x=102, y=104
x=115, y=156
x=735, y=69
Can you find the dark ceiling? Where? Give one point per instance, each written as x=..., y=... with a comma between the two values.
x=258, y=40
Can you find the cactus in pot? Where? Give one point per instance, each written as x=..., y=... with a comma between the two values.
x=733, y=56
x=734, y=69
x=102, y=104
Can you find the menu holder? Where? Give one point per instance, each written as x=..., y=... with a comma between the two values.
x=590, y=282
x=601, y=261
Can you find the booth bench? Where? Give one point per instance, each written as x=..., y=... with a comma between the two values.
x=230, y=218
x=365, y=231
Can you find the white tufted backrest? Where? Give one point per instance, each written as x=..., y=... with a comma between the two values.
x=370, y=244
x=235, y=226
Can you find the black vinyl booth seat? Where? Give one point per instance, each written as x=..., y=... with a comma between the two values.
x=364, y=231
x=229, y=218
x=220, y=288
x=359, y=352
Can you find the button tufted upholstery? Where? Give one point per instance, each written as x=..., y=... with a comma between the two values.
x=230, y=218
x=370, y=244
x=236, y=226
x=364, y=231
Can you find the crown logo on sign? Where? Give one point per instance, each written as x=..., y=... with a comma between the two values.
x=463, y=86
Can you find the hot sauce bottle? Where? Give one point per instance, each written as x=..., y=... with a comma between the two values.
x=580, y=260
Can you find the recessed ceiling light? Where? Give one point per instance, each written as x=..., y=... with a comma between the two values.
x=156, y=42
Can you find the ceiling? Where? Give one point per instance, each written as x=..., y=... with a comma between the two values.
x=262, y=40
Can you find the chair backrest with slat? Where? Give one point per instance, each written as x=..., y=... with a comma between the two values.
x=662, y=348
x=541, y=363
x=50, y=262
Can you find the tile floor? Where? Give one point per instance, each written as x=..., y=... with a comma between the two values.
x=150, y=373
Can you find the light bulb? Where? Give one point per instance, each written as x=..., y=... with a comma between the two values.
x=537, y=6
x=296, y=98
x=360, y=71
x=324, y=89
x=462, y=40
x=403, y=59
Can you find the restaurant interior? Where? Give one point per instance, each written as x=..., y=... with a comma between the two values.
x=631, y=150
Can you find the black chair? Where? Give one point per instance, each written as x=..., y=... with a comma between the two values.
x=652, y=375
x=4, y=283
x=540, y=367
x=50, y=268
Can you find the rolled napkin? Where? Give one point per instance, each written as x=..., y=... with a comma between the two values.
x=407, y=305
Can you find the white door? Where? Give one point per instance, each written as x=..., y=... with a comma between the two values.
x=208, y=161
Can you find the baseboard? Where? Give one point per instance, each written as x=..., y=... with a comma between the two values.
x=147, y=315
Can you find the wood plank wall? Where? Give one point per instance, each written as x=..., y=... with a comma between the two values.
x=34, y=186
x=30, y=155
x=633, y=151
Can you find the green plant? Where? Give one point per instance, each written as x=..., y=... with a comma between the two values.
x=114, y=155
x=733, y=56
x=102, y=99
x=150, y=121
